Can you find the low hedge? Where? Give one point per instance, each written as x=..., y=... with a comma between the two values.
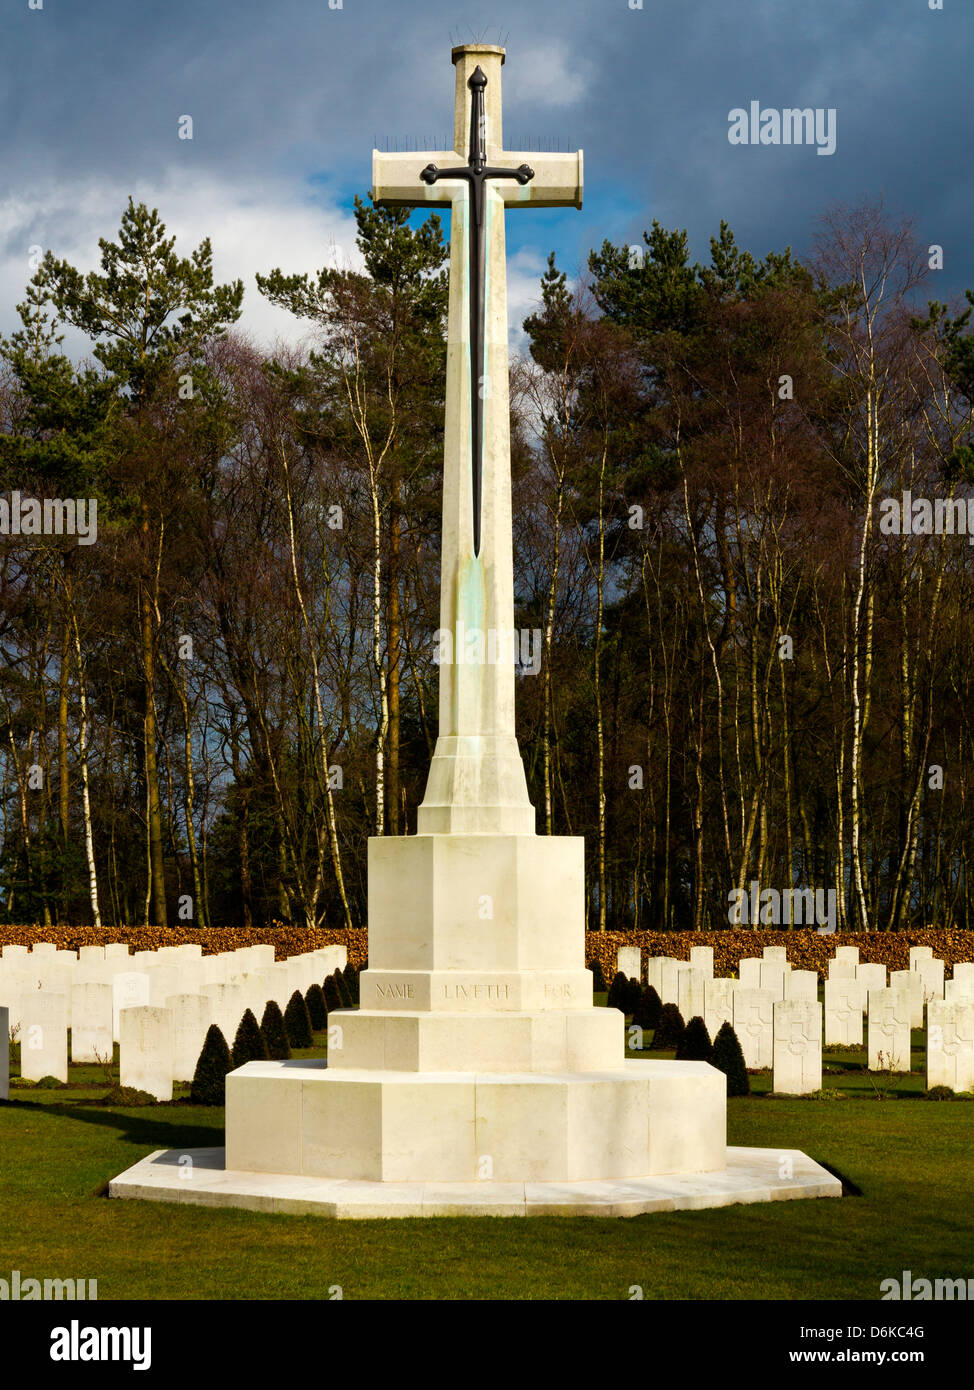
x=805, y=948
x=287, y=941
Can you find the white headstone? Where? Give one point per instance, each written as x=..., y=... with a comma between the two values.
x=931, y=973
x=797, y=1046
x=130, y=989
x=15, y=955
x=843, y=1013
x=749, y=972
x=164, y=980
x=117, y=950
x=43, y=950
x=4, y=1054
x=718, y=1004
x=670, y=978
x=802, y=984
x=702, y=958
x=888, y=1030
x=754, y=1025
x=847, y=953
x=690, y=986
x=190, y=1020
x=920, y=953
x=870, y=977
x=44, y=1036
x=774, y=974
x=963, y=970
x=89, y=955
x=955, y=990
x=950, y=1044
x=778, y=953
x=912, y=982
x=654, y=973
x=629, y=962
x=841, y=969
x=145, y=1051
x=91, y=1023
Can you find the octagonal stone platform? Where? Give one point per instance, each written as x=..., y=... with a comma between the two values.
x=198, y=1177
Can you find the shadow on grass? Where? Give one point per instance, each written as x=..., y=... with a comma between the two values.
x=148, y=1126
x=849, y=1188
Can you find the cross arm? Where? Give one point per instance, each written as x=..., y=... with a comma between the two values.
x=557, y=183
x=396, y=178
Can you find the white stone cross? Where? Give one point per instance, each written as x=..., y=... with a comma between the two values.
x=476, y=782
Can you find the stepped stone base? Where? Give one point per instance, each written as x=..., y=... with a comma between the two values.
x=750, y=1175
x=582, y=1040
x=638, y=1120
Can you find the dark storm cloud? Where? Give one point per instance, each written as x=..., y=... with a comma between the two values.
x=286, y=99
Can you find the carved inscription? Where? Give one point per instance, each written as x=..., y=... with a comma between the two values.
x=394, y=991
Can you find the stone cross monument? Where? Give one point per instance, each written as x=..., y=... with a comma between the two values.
x=477, y=1075
x=477, y=1051
x=476, y=782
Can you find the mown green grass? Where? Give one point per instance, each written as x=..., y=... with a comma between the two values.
x=913, y=1161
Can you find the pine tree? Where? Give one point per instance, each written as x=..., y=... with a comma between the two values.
x=333, y=999
x=350, y=976
x=297, y=1024
x=210, y=1077
x=342, y=988
x=598, y=978
x=275, y=1034
x=650, y=1006
x=317, y=1010
x=248, y=1045
x=617, y=991
x=669, y=1030
x=632, y=994
x=695, y=1046
x=729, y=1058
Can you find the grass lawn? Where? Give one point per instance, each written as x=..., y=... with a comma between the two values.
x=912, y=1160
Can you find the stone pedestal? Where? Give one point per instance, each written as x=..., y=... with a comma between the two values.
x=477, y=1053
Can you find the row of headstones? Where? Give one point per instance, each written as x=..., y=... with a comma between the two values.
x=774, y=1011
x=158, y=1012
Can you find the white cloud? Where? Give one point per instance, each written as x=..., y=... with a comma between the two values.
x=248, y=232
x=550, y=74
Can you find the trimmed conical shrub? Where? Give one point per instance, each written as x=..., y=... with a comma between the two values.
x=333, y=1000
x=729, y=1059
x=598, y=978
x=342, y=988
x=210, y=1077
x=350, y=976
x=617, y=991
x=695, y=1045
x=650, y=1007
x=248, y=1045
x=317, y=1009
x=669, y=1030
x=297, y=1024
x=275, y=1034
x=632, y=995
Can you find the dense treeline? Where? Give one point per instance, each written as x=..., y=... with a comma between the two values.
x=745, y=674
